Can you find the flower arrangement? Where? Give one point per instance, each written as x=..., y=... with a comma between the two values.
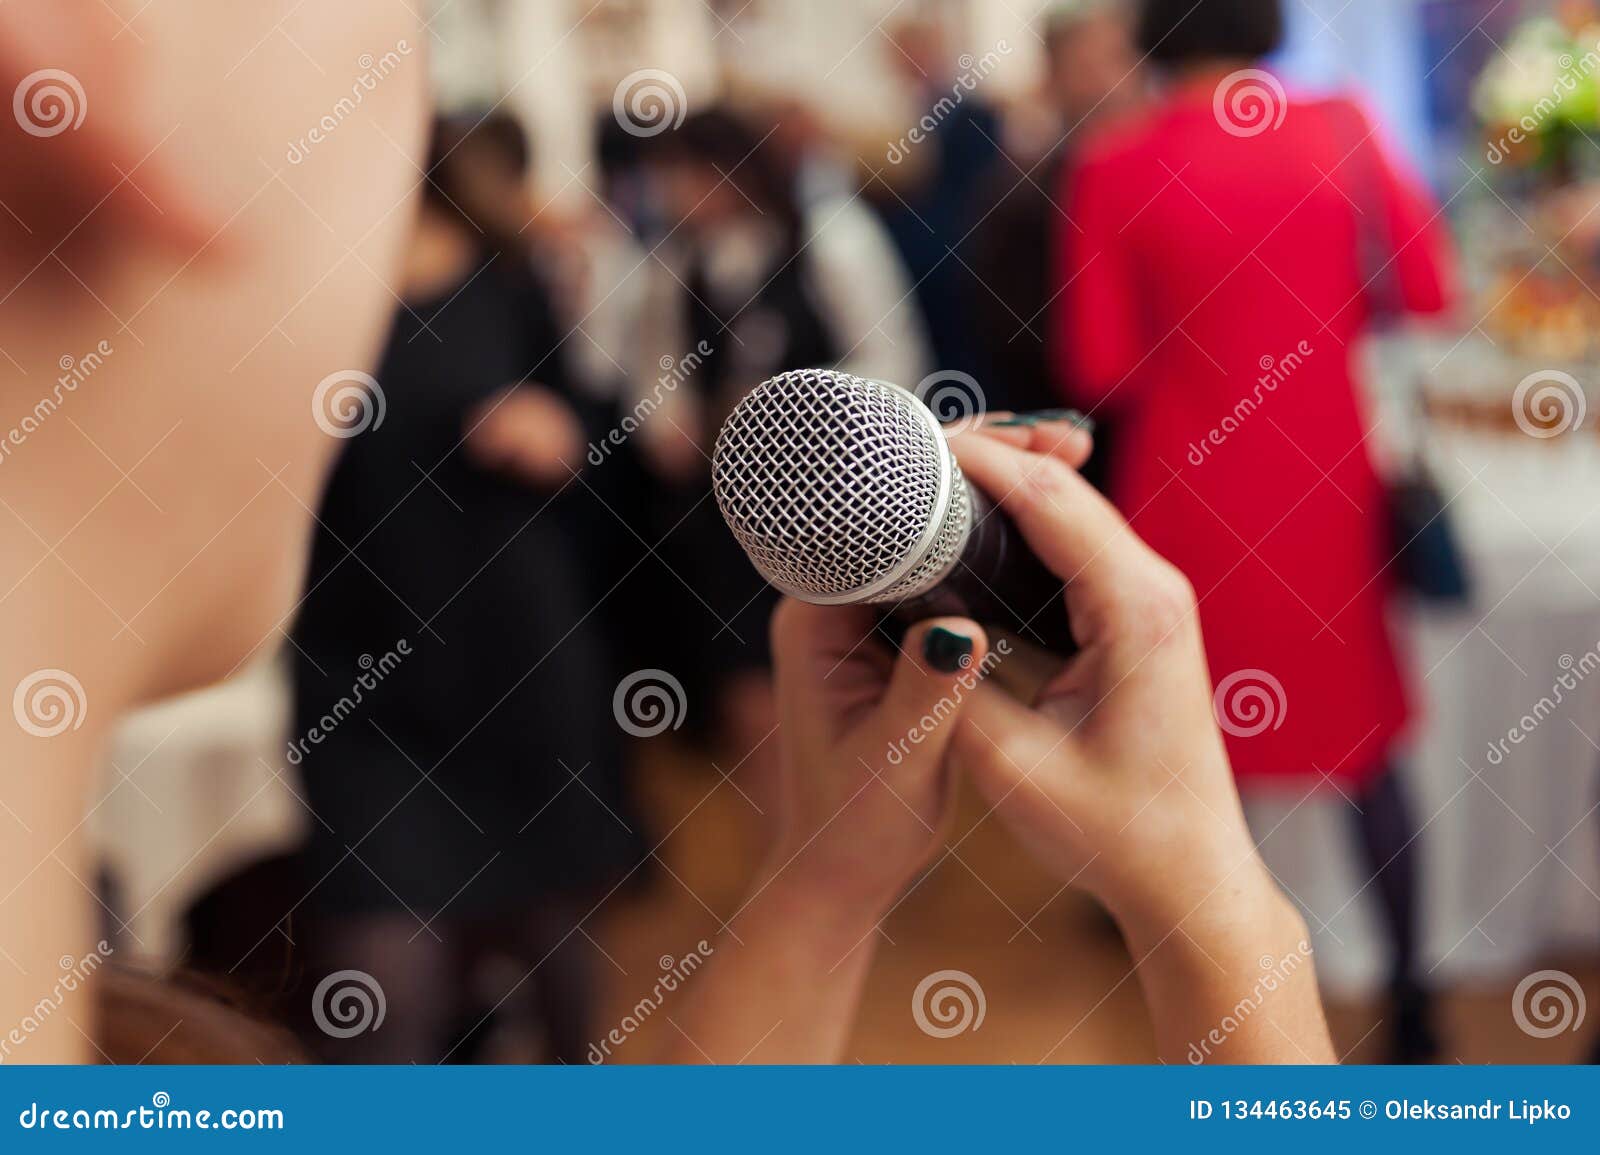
x=1540, y=95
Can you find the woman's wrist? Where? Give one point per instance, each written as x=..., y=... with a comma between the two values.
x=1234, y=981
x=1227, y=908
x=816, y=906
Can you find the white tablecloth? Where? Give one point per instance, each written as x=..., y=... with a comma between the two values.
x=1510, y=845
x=192, y=789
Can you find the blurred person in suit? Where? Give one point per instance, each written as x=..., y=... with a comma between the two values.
x=1092, y=75
x=456, y=524
x=1230, y=248
x=762, y=257
x=777, y=265
x=863, y=288
x=749, y=307
x=926, y=193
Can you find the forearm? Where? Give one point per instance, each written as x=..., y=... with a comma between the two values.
x=49, y=929
x=1232, y=979
x=46, y=909
x=786, y=989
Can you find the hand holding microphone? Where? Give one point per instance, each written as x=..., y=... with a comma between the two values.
x=1116, y=779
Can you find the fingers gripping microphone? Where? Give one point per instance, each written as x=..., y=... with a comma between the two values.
x=844, y=491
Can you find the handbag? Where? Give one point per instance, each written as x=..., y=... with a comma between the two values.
x=1427, y=555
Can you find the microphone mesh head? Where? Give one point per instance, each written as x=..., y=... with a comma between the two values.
x=840, y=489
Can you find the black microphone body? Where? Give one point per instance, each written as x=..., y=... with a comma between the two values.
x=999, y=582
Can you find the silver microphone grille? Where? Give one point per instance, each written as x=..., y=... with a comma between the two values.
x=840, y=489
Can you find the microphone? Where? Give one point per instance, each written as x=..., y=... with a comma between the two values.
x=843, y=491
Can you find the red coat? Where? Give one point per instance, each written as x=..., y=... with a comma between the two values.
x=1212, y=304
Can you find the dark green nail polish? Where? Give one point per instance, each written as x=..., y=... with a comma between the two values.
x=1070, y=415
x=1045, y=416
x=946, y=650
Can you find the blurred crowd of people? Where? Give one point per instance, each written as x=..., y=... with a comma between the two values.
x=535, y=514
x=538, y=494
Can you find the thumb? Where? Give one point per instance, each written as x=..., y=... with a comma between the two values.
x=1003, y=743
x=941, y=663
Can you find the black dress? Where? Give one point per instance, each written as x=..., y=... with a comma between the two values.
x=711, y=607
x=446, y=777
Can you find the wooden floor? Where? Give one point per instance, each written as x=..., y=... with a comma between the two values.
x=1055, y=977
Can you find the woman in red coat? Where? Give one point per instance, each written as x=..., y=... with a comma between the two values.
x=1224, y=254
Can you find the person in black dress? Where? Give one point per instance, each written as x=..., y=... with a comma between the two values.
x=452, y=688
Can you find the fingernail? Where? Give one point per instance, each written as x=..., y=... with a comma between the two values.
x=1072, y=416
x=946, y=650
x=1044, y=417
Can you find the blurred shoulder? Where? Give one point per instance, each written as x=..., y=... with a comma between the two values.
x=1117, y=140
x=1343, y=114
